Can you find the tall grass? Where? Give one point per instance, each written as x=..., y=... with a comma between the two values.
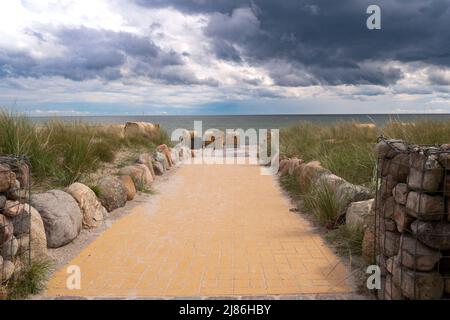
x=327, y=206
x=61, y=152
x=345, y=148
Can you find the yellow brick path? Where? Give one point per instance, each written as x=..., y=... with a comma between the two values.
x=221, y=230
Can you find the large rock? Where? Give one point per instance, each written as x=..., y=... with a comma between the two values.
x=8, y=249
x=352, y=192
x=12, y=208
x=140, y=174
x=128, y=184
x=436, y=235
x=426, y=173
x=6, y=229
x=162, y=160
x=359, y=213
x=38, y=236
x=414, y=255
x=288, y=166
x=402, y=219
x=7, y=271
x=158, y=168
x=112, y=193
x=310, y=171
x=389, y=243
x=164, y=149
x=418, y=285
x=175, y=156
x=92, y=210
x=146, y=159
x=61, y=216
x=7, y=178
x=400, y=193
x=424, y=206
x=331, y=180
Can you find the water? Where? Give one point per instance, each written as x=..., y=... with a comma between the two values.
x=222, y=122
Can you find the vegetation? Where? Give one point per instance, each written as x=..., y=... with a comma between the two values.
x=327, y=206
x=60, y=152
x=346, y=240
x=32, y=280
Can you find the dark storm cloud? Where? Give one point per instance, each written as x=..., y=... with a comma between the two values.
x=327, y=41
x=91, y=53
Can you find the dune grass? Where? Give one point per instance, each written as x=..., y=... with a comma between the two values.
x=345, y=148
x=32, y=280
x=60, y=152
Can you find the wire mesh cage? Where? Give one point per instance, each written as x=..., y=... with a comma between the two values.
x=412, y=220
x=15, y=217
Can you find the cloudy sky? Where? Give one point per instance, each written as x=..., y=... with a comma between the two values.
x=223, y=56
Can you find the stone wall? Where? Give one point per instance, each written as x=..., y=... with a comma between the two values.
x=412, y=220
x=14, y=217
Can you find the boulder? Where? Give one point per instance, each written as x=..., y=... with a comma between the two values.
x=6, y=229
x=418, y=285
x=359, y=213
x=158, y=168
x=61, y=216
x=8, y=249
x=424, y=206
x=7, y=271
x=435, y=235
x=389, y=243
x=7, y=178
x=38, y=236
x=140, y=174
x=128, y=184
x=164, y=149
x=416, y=256
x=352, y=192
x=146, y=159
x=289, y=166
x=402, y=219
x=21, y=222
x=91, y=209
x=426, y=173
x=332, y=180
x=400, y=193
x=12, y=208
x=162, y=160
x=112, y=194
x=310, y=171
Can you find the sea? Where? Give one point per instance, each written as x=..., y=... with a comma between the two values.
x=222, y=122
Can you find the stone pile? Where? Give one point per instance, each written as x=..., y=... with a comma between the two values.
x=412, y=228
x=15, y=216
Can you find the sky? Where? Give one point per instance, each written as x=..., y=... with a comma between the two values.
x=158, y=57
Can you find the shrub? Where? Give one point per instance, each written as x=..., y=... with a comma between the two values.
x=347, y=240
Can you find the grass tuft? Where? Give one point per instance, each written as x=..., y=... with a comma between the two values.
x=347, y=240
x=32, y=280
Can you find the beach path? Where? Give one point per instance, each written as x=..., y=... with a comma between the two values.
x=218, y=230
